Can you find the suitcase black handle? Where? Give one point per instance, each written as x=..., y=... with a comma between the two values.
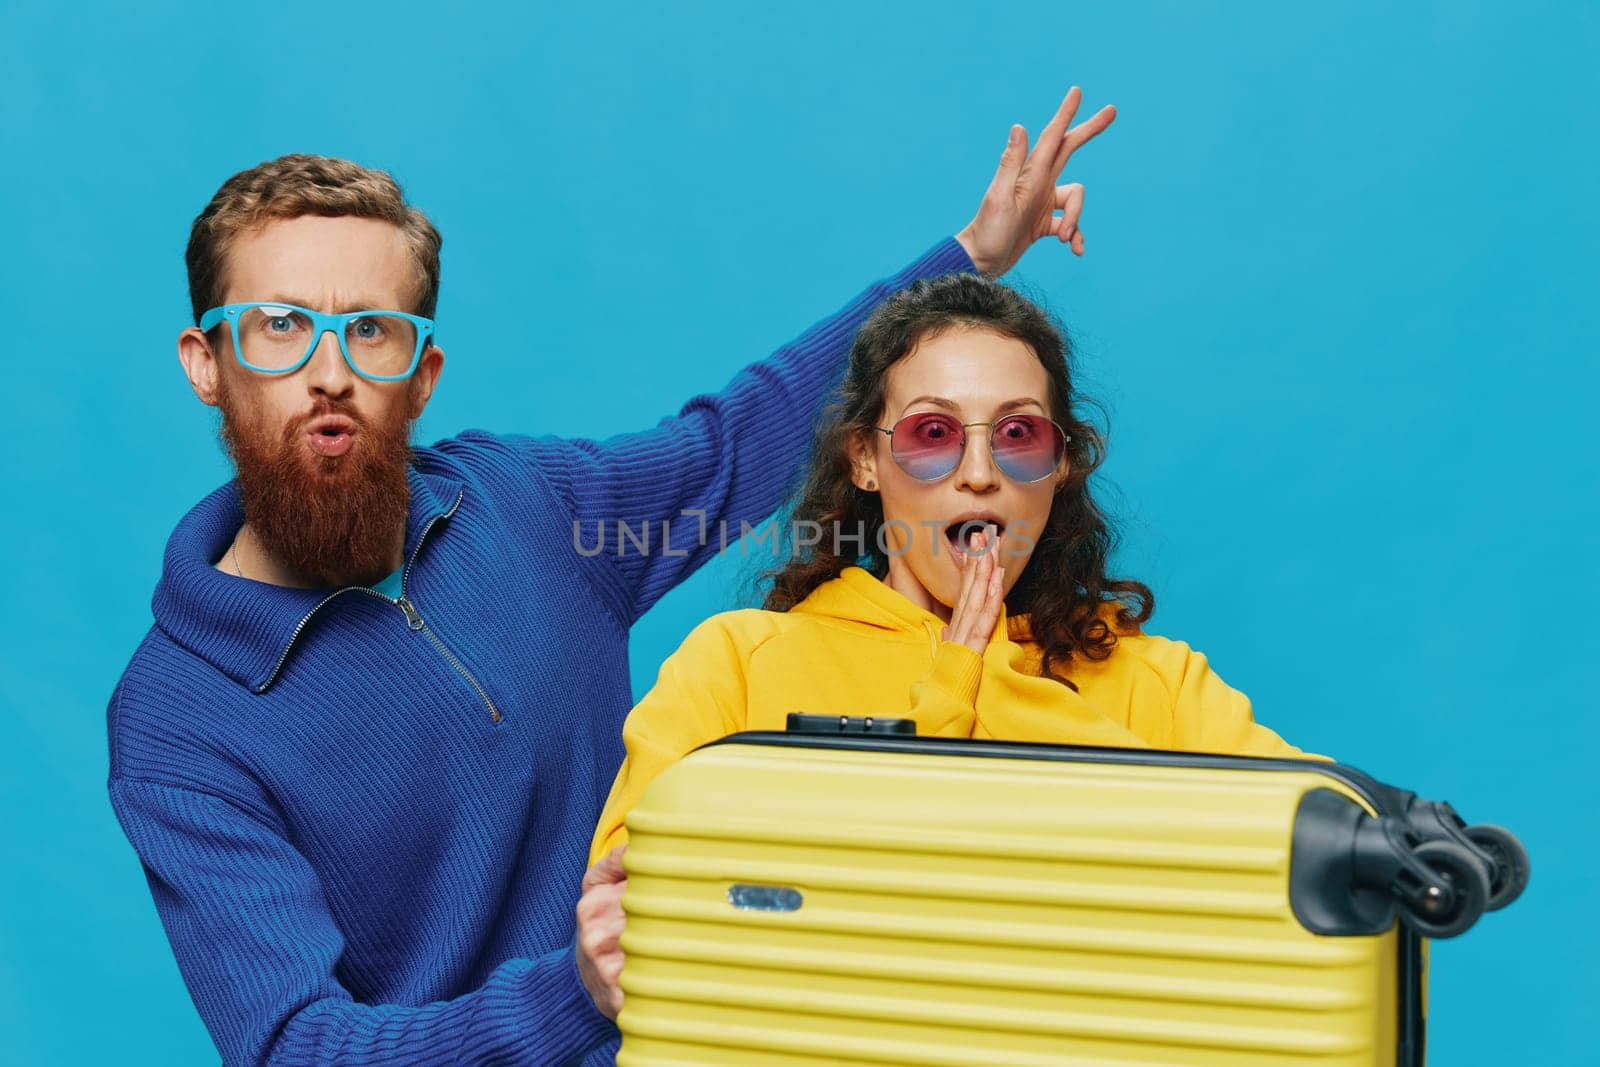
x=799, y=723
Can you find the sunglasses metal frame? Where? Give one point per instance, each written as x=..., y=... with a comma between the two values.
x=995, y=456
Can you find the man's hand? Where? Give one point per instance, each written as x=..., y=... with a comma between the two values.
x=1020, y=204
x=600, y=923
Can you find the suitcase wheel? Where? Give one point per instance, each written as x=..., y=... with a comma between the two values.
x=1510, y=876
x=1451, y=899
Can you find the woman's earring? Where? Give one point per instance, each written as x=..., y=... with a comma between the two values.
x=871, y=485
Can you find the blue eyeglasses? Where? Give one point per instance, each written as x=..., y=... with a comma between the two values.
x=381, y=346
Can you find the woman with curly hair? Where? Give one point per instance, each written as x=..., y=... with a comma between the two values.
x=953, y=568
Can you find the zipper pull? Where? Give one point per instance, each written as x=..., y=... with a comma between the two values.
x=413, y=617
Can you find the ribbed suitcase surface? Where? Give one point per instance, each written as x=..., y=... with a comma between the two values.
x=813, y=905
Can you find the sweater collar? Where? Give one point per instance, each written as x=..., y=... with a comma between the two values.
x=244, y=628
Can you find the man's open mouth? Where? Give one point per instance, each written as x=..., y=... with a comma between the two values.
x=330, y=435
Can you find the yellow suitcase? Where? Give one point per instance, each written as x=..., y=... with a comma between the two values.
x=806, y=898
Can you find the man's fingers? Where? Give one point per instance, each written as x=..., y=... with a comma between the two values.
x=602, y=937
x=601, y=923
x=607, y=896
x=603, y=916
x=1061, y=121
x=1048, y=146
x=599, y=900
x=1011, y=160
x=607, y=869
x=1066, y=195
x=1069, y=201
x=1081, y=135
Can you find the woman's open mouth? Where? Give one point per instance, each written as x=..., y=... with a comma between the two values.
x=959, y=533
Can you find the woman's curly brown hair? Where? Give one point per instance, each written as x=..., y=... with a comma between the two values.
x=1064, y=589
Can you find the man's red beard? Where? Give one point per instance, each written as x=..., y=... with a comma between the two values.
x=335, y=520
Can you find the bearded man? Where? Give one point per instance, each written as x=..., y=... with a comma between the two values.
x=362, y=750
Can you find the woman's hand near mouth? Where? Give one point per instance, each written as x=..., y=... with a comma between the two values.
x=977, y=608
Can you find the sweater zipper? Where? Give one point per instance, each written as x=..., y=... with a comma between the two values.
x=414, y=620
x=415, y=623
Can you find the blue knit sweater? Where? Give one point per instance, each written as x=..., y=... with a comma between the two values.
x=365, y=820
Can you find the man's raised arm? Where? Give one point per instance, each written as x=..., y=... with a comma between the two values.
x=649, y=508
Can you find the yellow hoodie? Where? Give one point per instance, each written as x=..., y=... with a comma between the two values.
x=857, y=647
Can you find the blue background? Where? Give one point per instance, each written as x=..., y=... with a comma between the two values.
x=1339, y=297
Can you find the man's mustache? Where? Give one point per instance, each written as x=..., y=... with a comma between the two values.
x=323, y=409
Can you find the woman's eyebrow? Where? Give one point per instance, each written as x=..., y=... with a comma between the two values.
x=936, y=400
x=950, y=405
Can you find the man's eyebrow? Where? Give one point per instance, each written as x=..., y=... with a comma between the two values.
x=347, y=306
x=950, y=405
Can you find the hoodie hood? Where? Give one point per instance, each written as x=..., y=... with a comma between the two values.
x=857, y=598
